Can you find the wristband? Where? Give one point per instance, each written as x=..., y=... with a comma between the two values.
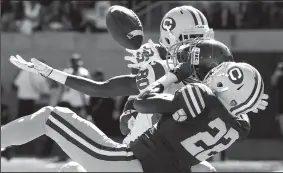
x=58, y=76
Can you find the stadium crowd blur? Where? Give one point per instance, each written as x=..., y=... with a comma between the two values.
x=28, y=17
x=88, y=16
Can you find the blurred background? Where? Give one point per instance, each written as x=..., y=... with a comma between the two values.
x=72, y=36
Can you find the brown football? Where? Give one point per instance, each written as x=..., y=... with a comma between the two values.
x=125, y=27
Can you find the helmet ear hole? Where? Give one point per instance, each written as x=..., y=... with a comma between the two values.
x=219, y=84
x=167, y=40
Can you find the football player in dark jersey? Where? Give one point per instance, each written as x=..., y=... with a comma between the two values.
x=200, y=120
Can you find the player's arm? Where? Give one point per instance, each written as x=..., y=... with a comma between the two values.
x=123, y=85
x=190, y=100
x=156, y=103
x=117, y=86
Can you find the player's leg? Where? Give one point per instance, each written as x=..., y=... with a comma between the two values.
x=25, y=129
x=88, y=145
x=80, y=139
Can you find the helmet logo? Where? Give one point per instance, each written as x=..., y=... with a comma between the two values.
x=236, y=75
x=168, y=24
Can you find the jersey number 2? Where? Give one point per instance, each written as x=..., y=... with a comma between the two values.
x=202, y=154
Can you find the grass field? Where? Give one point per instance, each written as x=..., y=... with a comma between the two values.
x=45, y=165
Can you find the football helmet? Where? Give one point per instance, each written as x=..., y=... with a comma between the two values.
x=239, y=86
x=202, y=56
x=183, y=23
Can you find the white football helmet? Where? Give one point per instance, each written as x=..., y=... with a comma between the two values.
x=183, y=23
x=239, y=86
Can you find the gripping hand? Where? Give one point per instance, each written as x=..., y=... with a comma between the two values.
x=138, y=58
x=34, y=66
x=262, y=104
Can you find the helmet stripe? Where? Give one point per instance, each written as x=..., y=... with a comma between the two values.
x=194, y=16
x=201, y=17
x=255, y=101
x=249, y=98
x=195, y=11
x=253, y=98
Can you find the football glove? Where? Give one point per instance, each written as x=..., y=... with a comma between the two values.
x=35, y=66
x=183, y=71
x=147, y=52
x=262, y=104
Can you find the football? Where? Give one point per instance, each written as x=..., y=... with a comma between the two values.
x=125, y=27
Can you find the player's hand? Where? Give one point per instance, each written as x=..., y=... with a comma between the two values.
x=138, y=58
x=22, y=64
x=183, y=71
x=262, y=104
x=35, y=66
x=151, y=90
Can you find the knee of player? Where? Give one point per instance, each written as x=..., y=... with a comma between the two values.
x=72, y=167
x=63, y=109
x=42, y=114
x=203, y=167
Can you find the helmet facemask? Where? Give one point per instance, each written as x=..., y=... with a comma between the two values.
x=199, y=31
x=238, y=94
x=185, y=51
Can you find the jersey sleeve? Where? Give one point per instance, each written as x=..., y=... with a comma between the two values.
x=190, y=100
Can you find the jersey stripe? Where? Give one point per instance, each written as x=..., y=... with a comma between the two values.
x=200, y=98
x=193, y=98
x=73, y=135
x=188, y=103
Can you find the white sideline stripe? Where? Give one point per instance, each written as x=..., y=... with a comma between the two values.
x=188, y=103
x=88, y=145
x=193, y=98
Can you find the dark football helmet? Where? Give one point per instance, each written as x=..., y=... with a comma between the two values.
x=202, y=55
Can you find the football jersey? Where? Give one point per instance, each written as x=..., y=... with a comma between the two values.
x=200, y=128
x=137, y=123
